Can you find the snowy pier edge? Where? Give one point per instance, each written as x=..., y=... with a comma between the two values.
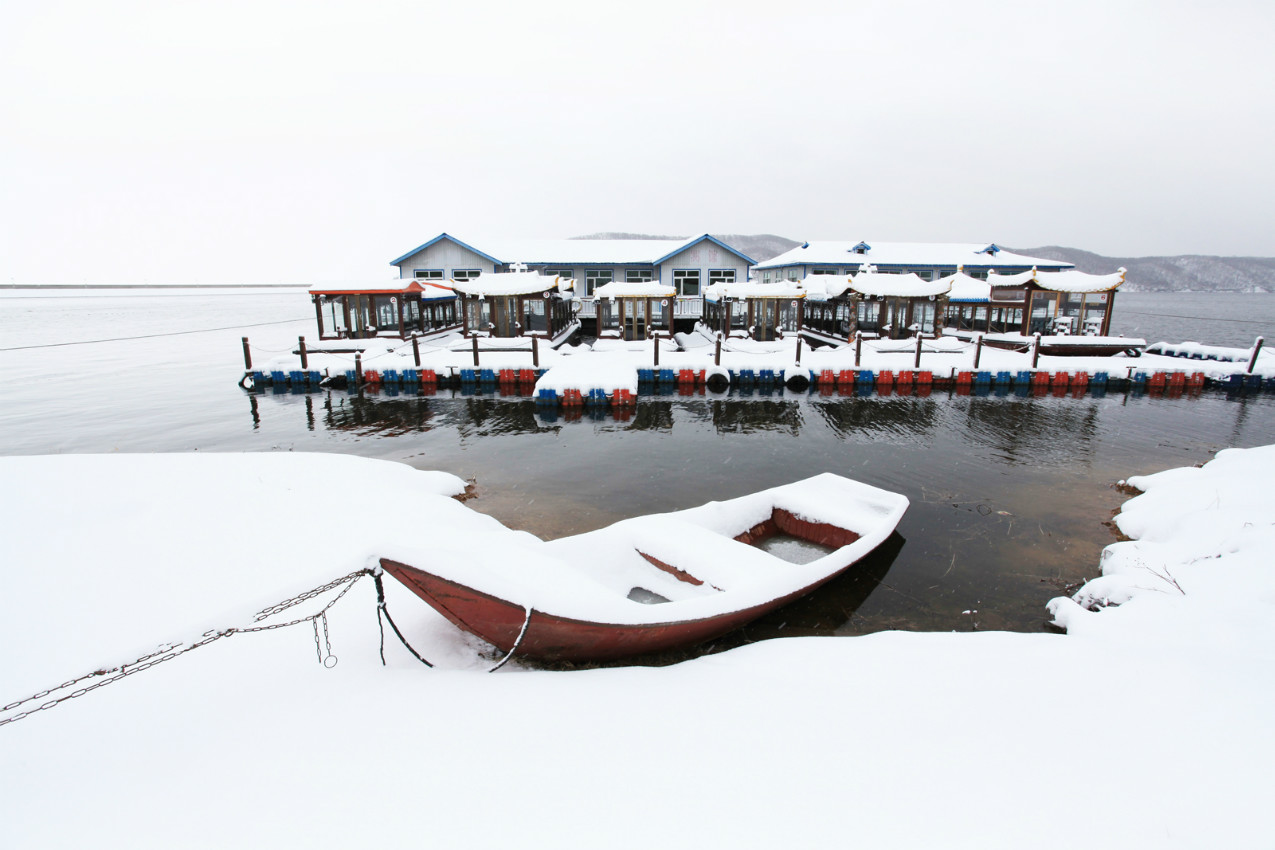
x=610, y=368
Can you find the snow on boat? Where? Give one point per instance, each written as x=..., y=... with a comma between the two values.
x=1066, y=345
x=663, y=581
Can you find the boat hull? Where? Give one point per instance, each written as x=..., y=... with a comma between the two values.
x=553, y=638
x=1096, y=349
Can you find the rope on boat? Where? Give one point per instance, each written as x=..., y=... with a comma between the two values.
x=526, y=622
x=381, y=609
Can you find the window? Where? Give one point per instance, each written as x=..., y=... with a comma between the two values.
x=721, y=276
x=924, y=274
x=765, y=277
x=465, y=274
x=428, y=274
x=565, y=273
x=687, y=282
x=637, y=275
x=823, y=270
x=593, y=278
x=794, y=274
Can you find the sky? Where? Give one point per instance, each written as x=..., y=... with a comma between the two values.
x=264, y=142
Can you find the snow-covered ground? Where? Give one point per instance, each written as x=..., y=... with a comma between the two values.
x=1146, y=725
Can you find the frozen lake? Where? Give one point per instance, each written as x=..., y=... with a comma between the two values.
x=1009, y=495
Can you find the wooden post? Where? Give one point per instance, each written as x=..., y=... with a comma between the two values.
x=717, y=351
x=1035, y=351
x=798, y=351
x=858, y=347
x=305, y=362
x=247, y=356
x=917, y=364
x=978, y=351
x=318, y=314
x=416, y=351
x=535, y=351
x=1257, y=348
x=657, y=351
x=475, y=352
x=358, y=367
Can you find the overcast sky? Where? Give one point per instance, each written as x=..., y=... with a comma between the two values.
x=259, y=141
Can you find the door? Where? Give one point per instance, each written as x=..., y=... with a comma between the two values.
x=504, y=313
x=765, y=318
x=634, y=310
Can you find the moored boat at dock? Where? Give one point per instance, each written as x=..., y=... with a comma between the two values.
x=663, y=581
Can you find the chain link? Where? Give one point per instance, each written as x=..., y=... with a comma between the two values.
x=167, y=652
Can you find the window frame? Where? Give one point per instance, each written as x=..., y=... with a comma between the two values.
x=679, y=283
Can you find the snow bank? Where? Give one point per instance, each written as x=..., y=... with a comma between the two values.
x=1198, y=561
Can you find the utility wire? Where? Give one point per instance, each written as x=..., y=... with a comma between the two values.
x=150, y=336
x=1205, y=318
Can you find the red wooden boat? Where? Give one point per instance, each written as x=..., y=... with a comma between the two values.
x=664, y=581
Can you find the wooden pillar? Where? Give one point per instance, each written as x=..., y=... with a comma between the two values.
x=657, y=351
x=358, y=367
x=1035, y=350
x=1106, y=319
x=717, y=350
x=535, y=351
x=799, y=350
x=345, y=308
x=978, y=351
x=305, y=362
x=858, y=347
x=318, y=314
x=475, y=352
x=400, y=301
x=247, y=356
x=416, y=351
x=1257, y=349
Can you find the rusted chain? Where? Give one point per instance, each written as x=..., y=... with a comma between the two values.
x=170, y=651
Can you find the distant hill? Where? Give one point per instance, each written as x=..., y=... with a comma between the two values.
x=1185, y=273
x=760, y=247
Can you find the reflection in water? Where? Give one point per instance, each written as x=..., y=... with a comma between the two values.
x=879, y=417
x=490, y=417
x=757, y=415
x=382, y=416
x=1029, y=431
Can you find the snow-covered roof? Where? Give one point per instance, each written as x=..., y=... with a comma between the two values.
x=387, y=287
x=510, y=283
x=1019, y=279
x=931, y=254
x=822, y=287
x=577, y=252
x=1061, y=281
x=749, y=289
x=962, y=287
x=908, y=285
x=1074, y=281
x=637, y=289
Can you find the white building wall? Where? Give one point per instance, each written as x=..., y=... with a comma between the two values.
x=445, y=255
x=704, y=256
